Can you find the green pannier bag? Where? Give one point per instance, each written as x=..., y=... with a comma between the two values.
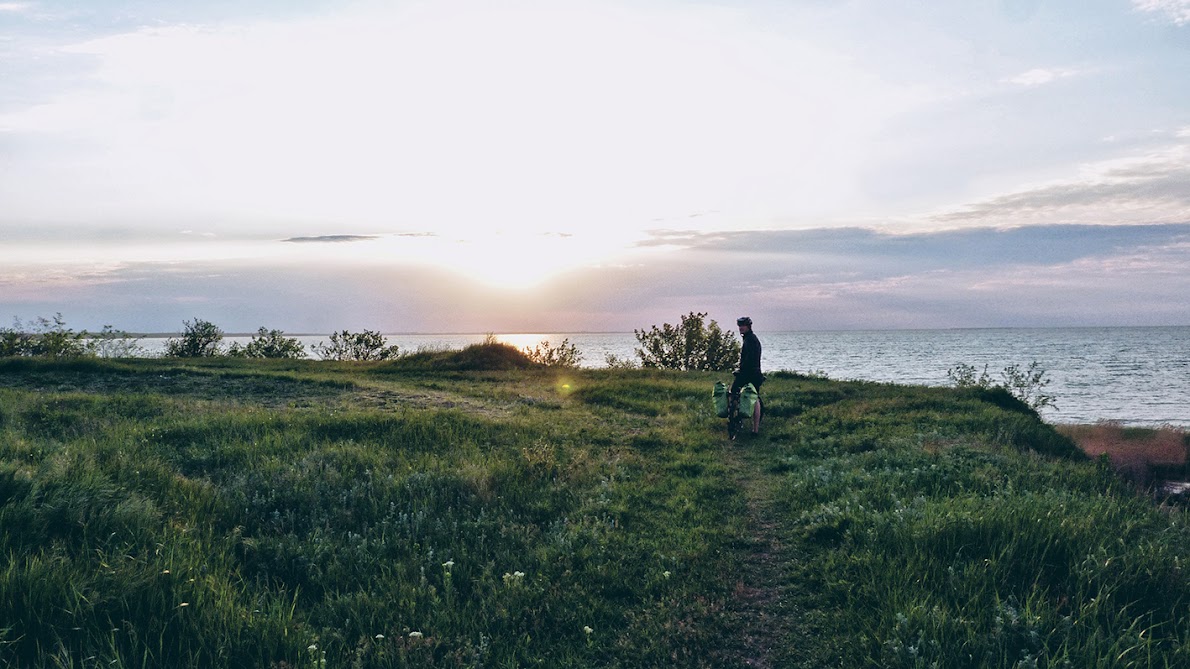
x=719, y=397
x=748, y=399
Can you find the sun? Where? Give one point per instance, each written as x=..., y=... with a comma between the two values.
x=513, y=261
x=519, y=261
x=516, y=262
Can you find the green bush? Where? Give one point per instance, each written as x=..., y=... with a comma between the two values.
x=269, y=344
x=46, y=337
x=200, y=339
x=1027, y=384
x=613, y=361
x=358, y=346
x=690, y=345
x=113, y=343
x=562, y=355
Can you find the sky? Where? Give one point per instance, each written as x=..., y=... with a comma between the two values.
x=594, y=165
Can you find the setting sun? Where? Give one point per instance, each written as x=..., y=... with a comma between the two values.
x=505, y=260
x=513, y=262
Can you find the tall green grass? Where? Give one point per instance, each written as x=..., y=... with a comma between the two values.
x=282, y=524
x=237, y=513
x=944, y=546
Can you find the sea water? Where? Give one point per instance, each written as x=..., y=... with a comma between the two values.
x=1135, y=376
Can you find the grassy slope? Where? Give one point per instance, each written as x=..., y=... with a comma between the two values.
x=240, y=513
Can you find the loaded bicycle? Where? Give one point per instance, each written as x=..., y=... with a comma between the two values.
x=739, y=405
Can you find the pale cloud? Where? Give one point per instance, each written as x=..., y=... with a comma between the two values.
x=457, y=116
x=510, y=161
x=1152, y=187
x=517, y=132
x=1144, y=286
x=330, y=239
x=855, y=278
x=1177, y=11
x=857, y=254
x=25, y=285
x=1041, y=76
x=827, y=278
x=1151, y=265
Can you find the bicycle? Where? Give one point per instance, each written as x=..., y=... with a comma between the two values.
x=735, y=420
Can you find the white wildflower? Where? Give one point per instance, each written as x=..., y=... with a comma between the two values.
x=415, y=635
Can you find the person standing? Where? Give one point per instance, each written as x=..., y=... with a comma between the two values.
x=749, y=371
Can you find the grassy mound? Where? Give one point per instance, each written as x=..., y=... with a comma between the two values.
x=474, y=358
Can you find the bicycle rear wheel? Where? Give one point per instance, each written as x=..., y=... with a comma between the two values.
x=734, y=419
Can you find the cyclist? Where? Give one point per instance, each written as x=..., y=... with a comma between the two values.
x=749, y=371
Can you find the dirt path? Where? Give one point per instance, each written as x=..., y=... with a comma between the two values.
x=760, y=607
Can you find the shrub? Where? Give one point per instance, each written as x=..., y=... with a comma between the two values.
x=366, y=345
x=269, y=344
x=690, y=345
x=14, y=342
x=613, y=361
x=47, y=337
x=562, y=355
x=1027, y=385
x=113, y=343
x=200, y=339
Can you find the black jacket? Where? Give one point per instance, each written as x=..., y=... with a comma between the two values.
x=750, y=360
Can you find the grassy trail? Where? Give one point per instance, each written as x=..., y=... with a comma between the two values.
x=759, y=599
x=768, y=600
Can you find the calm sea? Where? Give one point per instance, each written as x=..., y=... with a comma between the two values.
x=1137, y=376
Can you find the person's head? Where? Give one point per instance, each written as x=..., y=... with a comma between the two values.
x=745, y=324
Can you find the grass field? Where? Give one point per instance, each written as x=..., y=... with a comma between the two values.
x=458, y=509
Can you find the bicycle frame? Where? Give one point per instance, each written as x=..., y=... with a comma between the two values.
x=733, y=414
x=735, y=420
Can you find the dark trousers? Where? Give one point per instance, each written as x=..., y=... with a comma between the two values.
x=742, y=380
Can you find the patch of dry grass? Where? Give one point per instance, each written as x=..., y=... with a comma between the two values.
x=1143, y=456
x=1154, y=446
